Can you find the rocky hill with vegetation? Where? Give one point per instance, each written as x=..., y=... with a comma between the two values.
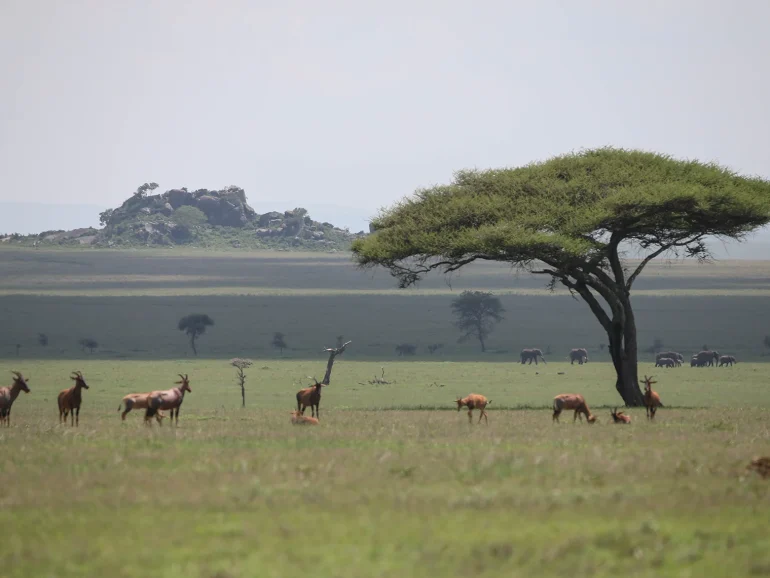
x=202, y=218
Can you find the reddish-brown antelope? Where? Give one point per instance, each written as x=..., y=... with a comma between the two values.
x=572, y=401
x=310, y=397
x=474, y=401
x=70, y=399
x=298, y=419
x=169, y=399
x=138, y=401
x=651, y=399
x=620, y=417
x=9, y=394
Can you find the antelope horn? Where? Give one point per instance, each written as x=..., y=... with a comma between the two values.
x=180, y=376
x=16, y=373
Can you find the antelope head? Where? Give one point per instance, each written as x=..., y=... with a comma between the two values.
x=184, y=382
x=18, y=379
x=648, y=382
x=77, y=377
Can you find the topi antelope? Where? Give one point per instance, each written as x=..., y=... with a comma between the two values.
x=572, y=401
x=620, y=417
x=310, y=397
x=169, y=399
x=9, y=394
x=138, y=401
x=651, y=399
x=70, y=399
x=474, y=401
x=298, y=419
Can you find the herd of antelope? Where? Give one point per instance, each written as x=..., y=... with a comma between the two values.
x=155, y=402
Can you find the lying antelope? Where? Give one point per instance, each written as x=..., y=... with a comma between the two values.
x=298, y=419
x=651, y=399
x=170, y=399
x=70, y=399
x=620, y=417
x=138, y=401
x=9, y=394
x=310, y=396
x=572, y=401
x=474, y=401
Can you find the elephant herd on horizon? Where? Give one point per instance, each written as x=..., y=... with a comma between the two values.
x=705, y=358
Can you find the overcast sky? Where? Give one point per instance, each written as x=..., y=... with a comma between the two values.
x=356, y=103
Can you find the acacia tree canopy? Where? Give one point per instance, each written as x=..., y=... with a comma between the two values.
x=566, y=218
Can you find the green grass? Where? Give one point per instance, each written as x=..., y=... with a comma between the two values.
x=240, y=492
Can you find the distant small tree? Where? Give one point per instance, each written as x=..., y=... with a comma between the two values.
x=18, y=348
x=105, y=216
x=141, y=190
x=88, y=343
x=42, y=339
x=602, y=346
x=189, y=217
x=194, y=326
x=766, y=341
x=705, y=347
x=406, y=349
x=340, y=341
x=477, y=312
x=241, y=365
x=279, y=341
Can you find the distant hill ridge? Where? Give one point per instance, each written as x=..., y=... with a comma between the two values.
x=205, y=218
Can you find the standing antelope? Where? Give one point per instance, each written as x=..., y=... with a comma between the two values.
x=168, y=399
x=572, y=401
x=310, y=396
x=474, y=401
x=9, y=394
x=70, y=399
x=138, y=401
x=651, y=398
x=620, y=417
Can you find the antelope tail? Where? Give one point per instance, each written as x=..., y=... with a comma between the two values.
x=119, y=406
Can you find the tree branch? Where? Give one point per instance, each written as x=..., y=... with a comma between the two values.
x=684, y=241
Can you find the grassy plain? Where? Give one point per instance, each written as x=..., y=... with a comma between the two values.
x=394, y=482
x=377, y=490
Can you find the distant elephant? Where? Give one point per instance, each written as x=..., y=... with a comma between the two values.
x=727, y=360
x=527, y=355
x=677, y=357
x=580, y=355
x=665, y=362
x=707, y=358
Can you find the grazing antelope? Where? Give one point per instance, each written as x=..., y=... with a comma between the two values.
x=70, y=399
x=651, y=398
x=572, y=401
x=620, y=417
x=9, y=394
x=310, y=397
x=168, y=399
x=138, y=401
x=474, y=401
x=298, y=419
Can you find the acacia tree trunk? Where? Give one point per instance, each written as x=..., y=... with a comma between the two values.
x=622, y=336
x=192, y=344
x=243, y=395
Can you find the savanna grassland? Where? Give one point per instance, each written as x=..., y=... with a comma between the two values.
x=394, y=482
x=385, y=487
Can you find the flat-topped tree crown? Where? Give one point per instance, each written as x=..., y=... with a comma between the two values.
x=566, y=218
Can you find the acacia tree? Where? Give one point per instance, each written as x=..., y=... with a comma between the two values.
x=477, y=312
x=241, y=365
x=279, y=341
x=194, y=326
x=572, y=218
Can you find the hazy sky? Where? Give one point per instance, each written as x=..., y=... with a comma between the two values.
x=357, y=103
